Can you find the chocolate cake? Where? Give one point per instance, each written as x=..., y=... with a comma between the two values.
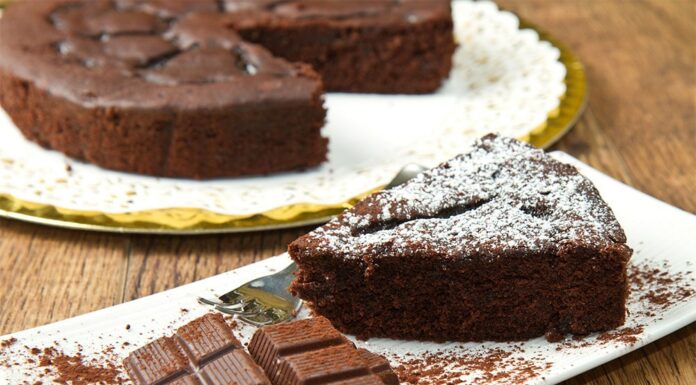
x=500, y=243
x=311, y=351
x=381, y=46
x=207, y=88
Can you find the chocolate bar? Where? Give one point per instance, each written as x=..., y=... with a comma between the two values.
x=311, y=351
x=203, y=352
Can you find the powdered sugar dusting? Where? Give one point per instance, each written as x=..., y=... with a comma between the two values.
x=500, y=194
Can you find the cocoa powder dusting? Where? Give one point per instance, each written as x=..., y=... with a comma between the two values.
x=657, y=288
x=494, y=365
x=53, y=366
x=623, y=335
x=7, y=343
x=75, y=370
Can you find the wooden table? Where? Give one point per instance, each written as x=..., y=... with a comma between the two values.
x=640, y=128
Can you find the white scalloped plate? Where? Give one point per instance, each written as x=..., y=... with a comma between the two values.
x=661, y=235
x=505, y=79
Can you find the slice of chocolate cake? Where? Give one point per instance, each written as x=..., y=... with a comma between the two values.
x=500, y=243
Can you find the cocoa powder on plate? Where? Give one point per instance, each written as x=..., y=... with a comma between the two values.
x=493, y=365
x=76, y=370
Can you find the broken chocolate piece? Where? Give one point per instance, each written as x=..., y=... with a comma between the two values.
x=311, y=351
x=203, y=352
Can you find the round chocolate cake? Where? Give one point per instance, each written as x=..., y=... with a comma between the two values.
x=206, y=88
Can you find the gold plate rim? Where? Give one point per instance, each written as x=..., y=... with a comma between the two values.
x=193, y=221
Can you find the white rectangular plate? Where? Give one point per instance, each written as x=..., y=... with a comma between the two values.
x=662, y=236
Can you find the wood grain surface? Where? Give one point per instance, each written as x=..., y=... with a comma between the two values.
x=640, y=128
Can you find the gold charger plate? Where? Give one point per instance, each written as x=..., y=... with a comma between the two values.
x=187, y=221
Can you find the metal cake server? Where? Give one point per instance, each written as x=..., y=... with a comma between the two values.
x=262, y=301
x=266, y=300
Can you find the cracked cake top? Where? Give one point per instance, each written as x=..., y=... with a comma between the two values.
x=499, y=196
x=151, y=53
